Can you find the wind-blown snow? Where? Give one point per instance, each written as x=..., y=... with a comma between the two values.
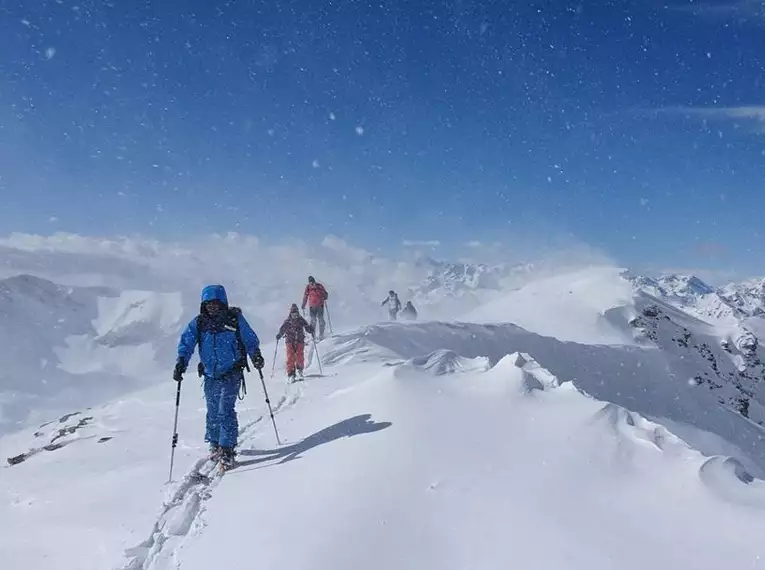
x=65, y=346
x=570, y=306
x=579, y=420
x=467, y=455
x=89, y=319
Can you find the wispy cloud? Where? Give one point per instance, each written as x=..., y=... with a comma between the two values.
x=421, y=243
x=742, y=10
x=753, y=115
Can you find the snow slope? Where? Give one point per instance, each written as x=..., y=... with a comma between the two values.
x=569, y=306
x=657, y=383
x=474, y=470
x=429, y=444
x=65, y=346
x=549, y=414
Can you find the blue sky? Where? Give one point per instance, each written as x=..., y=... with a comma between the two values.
x=636, y=126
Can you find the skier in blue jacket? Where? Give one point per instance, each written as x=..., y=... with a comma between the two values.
x=225, y=338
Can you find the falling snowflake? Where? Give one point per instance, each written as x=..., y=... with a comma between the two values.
x=50, y=52
x=315, y=163
x=332, y=117
x=360, y=130
x=643, y=201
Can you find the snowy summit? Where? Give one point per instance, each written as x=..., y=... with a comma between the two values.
x=588, y=408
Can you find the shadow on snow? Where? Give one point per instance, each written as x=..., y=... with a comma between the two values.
x=356, y=425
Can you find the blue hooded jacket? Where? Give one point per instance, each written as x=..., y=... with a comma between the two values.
x=218, y=347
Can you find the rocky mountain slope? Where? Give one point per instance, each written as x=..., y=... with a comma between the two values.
x=717, y=329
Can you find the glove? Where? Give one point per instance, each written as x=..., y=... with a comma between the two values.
x=278, y=337
x=257, y=359
x=180, y=369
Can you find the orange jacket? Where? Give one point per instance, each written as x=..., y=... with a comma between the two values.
x=315, y=294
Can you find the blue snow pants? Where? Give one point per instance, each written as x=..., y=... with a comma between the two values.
x=222, y=424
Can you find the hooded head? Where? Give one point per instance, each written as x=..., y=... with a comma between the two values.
x=294, y=311
x=392, y=293
x=213, y=293
x=311, y=279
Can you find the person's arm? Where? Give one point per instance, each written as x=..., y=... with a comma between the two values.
x=186, y=345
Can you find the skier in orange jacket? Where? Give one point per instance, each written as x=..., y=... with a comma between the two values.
x=315, y=296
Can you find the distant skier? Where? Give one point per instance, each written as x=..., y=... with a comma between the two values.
x=394, y=305
x=293, y=330
x=409, y=312
x=224, y=338
x=315, y=295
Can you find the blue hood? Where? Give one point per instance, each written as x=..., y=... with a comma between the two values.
x=215, y=292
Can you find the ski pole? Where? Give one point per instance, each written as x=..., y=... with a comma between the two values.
x=270, y=411
x=329, y=319
x=316, y=352
x=175, y=430
x=273, y=366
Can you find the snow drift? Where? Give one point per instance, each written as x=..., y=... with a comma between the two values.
x=432, y=445
x=582, y=409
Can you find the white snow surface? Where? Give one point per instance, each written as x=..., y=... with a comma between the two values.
x=570, y=306
x=530, y=419
x=445, y=460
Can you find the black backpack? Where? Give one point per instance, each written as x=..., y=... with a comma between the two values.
x=232, y=321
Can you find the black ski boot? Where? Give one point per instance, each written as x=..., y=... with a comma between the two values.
x=227, y=458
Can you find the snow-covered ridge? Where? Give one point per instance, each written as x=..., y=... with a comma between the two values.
x=734, y=301
x=747, y=296
x=501, y=426
x=734, y=318
x=676, y=384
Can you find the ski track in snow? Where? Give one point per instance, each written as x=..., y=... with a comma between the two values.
x=181, y=515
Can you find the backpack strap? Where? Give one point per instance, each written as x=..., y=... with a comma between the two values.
x=237, y=312
x=200, y=366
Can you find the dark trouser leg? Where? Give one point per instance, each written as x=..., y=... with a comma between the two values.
x=212, y=387
x=318, y=313
x=227, y=419
x=312, y=312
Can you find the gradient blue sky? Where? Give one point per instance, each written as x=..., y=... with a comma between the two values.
x=637, y=126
